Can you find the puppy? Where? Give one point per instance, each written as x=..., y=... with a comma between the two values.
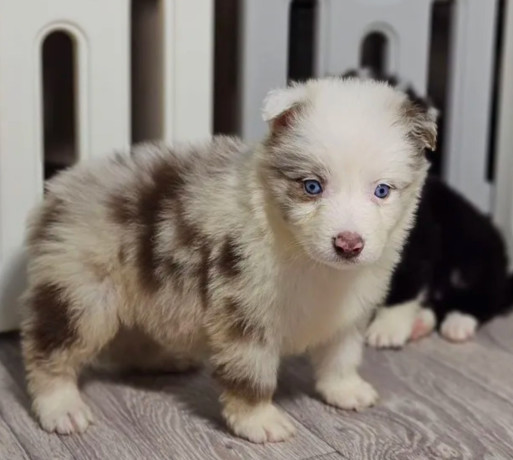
x=453, y=273
x=236, y=254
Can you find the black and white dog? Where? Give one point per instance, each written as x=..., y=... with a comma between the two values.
x=453, y=273
x=454, y=269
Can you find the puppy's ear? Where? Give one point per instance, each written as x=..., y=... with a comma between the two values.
x=282, y=107
x=421, y=120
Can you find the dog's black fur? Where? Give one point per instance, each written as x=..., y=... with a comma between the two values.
x=454, y=258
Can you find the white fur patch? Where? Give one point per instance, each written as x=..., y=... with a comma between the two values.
x=263, y=423
x=349, y=393
x=458, y=327
x=393, y=326
x=62, y=410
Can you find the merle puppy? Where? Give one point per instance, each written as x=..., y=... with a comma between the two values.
x=228, y=253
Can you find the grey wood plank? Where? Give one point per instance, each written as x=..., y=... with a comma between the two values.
x=163, y=417
x=480, y=361
x=101, y=440
x=498, y=332
x=426, y=411
x=438, y=401
x=10, y=447
x=465, y=406
x=330, y=456
x=180, y=414
x=15, y=413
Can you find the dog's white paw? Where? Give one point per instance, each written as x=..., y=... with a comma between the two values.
x=263, y=423
x=458, y=327
x=350, y=393
x=391, y=328
x=63, y=411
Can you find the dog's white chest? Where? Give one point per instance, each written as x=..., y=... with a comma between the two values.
x=313, y=308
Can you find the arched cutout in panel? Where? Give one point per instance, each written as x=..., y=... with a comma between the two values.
x=226, y=69
x=301, y=39
x=147, y=70
x=59, y=102
x=374, y=52
x=439, y=54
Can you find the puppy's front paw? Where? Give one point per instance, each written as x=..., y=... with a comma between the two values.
x=63, y=411
x=389, y=330
x=350, y=393
x=259, y=424
x=458, y=327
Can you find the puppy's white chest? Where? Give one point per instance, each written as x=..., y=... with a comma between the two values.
x=312, y=309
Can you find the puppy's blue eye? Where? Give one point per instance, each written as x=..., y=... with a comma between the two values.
x=382, y=191
x=312, y=187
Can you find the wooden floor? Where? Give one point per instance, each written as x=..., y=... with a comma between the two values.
x=438, y=401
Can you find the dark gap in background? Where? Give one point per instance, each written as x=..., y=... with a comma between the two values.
x=147, y=91
x=492, y=136
x=59, y=103
x=373, y=52
x=226, y=58
x=301, y=40
x=441, y=21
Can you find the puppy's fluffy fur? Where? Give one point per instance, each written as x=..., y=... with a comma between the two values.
x=217, y=251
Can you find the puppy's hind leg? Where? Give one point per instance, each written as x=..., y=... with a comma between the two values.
x=62, y=332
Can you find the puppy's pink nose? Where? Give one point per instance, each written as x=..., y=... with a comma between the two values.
x=348, y=244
